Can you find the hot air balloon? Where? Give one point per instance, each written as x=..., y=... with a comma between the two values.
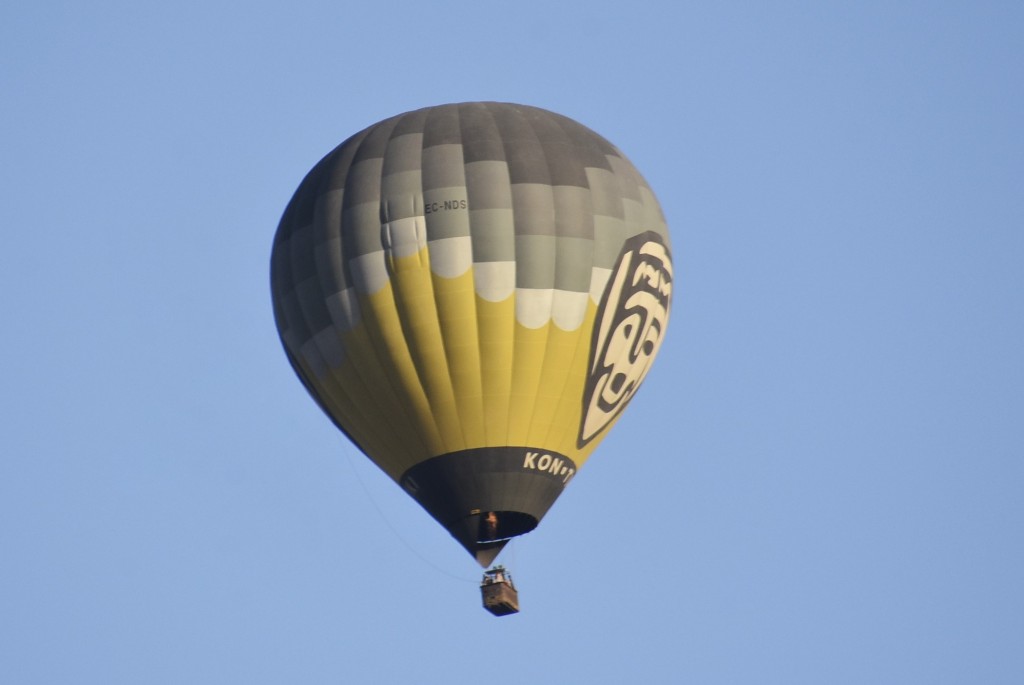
x=473, y=293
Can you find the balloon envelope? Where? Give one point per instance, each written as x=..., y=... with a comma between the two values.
x=473, y=293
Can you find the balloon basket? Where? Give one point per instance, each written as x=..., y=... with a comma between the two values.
x=499, y=594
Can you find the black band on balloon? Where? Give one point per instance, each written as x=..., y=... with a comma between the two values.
x=487, y=495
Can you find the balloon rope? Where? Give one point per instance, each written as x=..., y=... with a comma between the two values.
x=366, y=490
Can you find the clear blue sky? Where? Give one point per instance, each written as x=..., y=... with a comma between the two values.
x=822, y=480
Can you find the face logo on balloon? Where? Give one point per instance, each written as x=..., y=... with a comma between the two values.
x=630, y=325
